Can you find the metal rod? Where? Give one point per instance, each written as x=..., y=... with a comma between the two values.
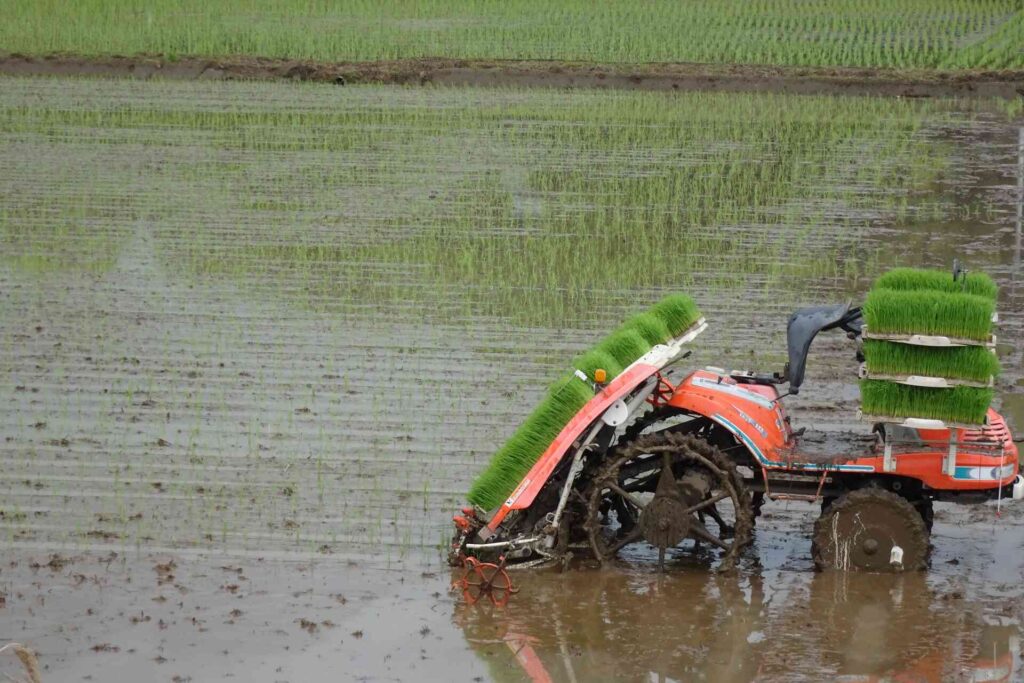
x=951, y=456
x=577, y=462
x=502, y=544
x=574, y=470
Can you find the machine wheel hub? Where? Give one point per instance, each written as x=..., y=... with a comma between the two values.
x=664, y=521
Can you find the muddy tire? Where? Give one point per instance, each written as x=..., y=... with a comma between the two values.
x=860, y=529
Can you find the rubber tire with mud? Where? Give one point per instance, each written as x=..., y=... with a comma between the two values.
x=871, y=521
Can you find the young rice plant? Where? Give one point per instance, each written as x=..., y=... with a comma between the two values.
x=513, y=460
x=974, y=363
x=959, y=404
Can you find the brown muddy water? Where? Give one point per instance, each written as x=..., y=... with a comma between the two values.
x=226, y=458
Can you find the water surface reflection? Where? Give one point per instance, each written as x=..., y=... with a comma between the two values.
x=762, y=626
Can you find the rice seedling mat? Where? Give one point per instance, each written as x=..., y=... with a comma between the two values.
x=962, y=363
x=929, y=312
x=691, y=333
x=955, y=405
x=544, y=432
x=663, y=355
x=914, y=279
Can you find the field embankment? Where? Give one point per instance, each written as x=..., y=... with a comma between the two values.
x=664, y=77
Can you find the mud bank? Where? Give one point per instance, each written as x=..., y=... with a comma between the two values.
x=680, y=77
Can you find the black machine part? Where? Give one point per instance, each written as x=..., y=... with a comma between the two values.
x=805, y=324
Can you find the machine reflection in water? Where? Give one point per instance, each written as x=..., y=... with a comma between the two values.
x=688, y=626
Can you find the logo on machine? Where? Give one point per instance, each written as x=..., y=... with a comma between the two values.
x=753, y=423
x=518, y=492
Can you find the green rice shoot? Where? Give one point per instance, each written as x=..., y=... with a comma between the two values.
x=901, y=34
x=515, y=458
x=974, y=363
x=666, y=319
x=649, y=326
x=906, y=279
x=625, y=346
x=678, y=312
x=889, y=311
x=966, y=405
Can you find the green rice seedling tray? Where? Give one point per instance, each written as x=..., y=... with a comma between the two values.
x=923, y=313
x=909, y=279
x=674, y=319
x=929, y=366
x=677, y=311
x=889, y=402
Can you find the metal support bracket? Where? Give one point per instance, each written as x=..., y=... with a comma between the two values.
x=949, y=462
x=888, y=462
x=577, y=461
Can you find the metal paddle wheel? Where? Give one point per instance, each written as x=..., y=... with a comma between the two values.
x=663, y=489
x=485, y=580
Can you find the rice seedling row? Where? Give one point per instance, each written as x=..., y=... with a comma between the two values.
x=700, y=156
x=950, y=34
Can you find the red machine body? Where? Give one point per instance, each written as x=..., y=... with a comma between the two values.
x=985, y=458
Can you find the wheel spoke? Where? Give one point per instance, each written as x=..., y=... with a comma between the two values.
x=632, y=512
x=631, y=536
x=699, y=531
x=706, y=503
x=626, y=494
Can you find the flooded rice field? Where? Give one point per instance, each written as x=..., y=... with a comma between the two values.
x=256, y=340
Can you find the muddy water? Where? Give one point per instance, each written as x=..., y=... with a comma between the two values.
x=209, y=477
x=95, y=614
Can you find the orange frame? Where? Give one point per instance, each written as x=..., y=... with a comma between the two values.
x=755, y=416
